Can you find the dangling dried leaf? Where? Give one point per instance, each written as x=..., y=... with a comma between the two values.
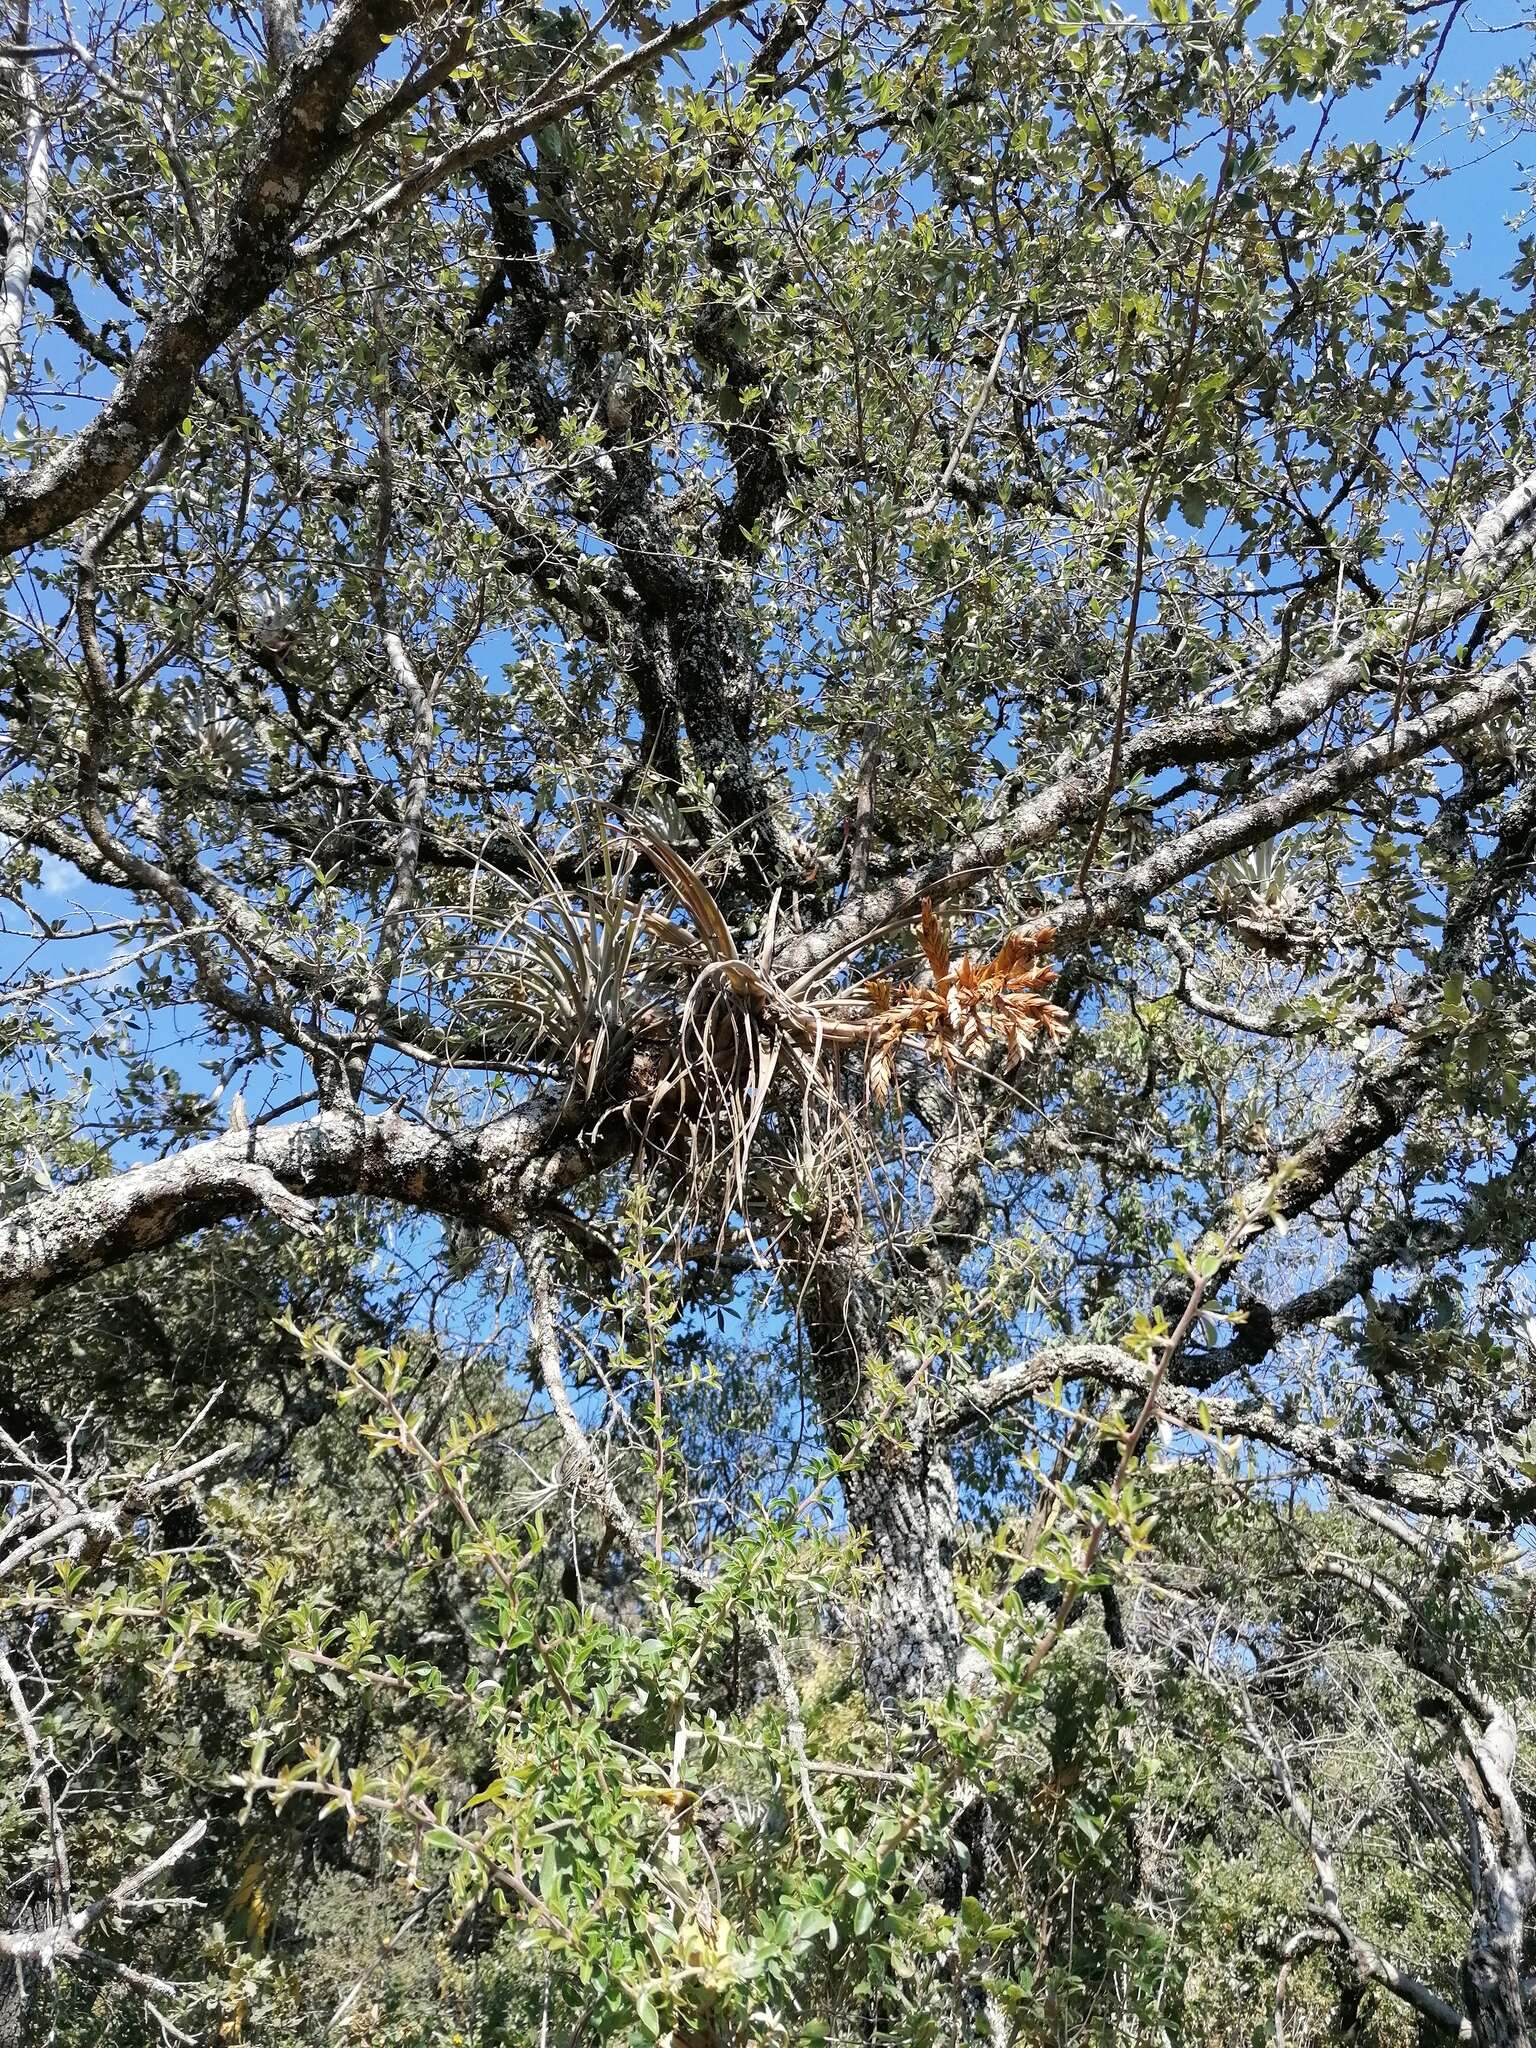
x=693, y=893
x=880, y=1071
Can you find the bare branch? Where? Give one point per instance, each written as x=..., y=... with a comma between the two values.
x=1363, y=1954
x=40, y=1780
x=1327, y=1452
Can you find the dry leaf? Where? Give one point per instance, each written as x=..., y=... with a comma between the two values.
x=973, y=1006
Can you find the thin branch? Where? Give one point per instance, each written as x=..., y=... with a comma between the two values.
x=1154, y=478
x=496, y=137
x=957, y=453
x=1366, y=1958
x=406, y=871
x=52, y=1818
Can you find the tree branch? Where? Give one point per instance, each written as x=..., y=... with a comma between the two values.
x=1325, y=1452
x=300, y=135
x=1363, y=1954
x=27, y=228
x=496, y=137
x=481, y=1176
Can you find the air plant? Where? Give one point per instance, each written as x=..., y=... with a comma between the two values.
x=1260, y=873
x=268, y=612
x=213, y=735
x=972, y=1008
x=692, y=1040
x=566, y=977
x=1264, y=907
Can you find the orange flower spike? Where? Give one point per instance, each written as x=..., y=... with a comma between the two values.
x=973, y=1006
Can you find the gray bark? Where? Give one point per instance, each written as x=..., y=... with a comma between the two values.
x=16, y=1980
x=898, y=1487
x=27, y=227
x=280, y=20
x=1502, y=1869
x=486, y=1176
x=301, y=134
x=902, y=1504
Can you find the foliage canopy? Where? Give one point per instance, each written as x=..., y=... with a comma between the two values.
x=768, y=827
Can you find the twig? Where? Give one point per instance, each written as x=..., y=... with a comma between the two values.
x=592, y=1479
x=1143, y=509
x=496, y=137
x=957, y=453
x=45, y=1799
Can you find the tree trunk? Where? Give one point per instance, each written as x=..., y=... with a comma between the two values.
x=901, y=1503
x=1503, y=1874
x=898, y=1487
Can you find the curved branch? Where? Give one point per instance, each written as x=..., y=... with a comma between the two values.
x=497, y=137
x=1326, y=1452
x=301, y=134
x=1367, y=1960
x=1187, y=740
x=480, y=1176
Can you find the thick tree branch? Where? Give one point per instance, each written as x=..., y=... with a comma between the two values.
x=1476, y=1496
x=1184, y=740
x=300, y=135
x=496, y=137
x=485, y=1176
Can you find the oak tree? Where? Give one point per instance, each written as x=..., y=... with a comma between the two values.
x=768, y=829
